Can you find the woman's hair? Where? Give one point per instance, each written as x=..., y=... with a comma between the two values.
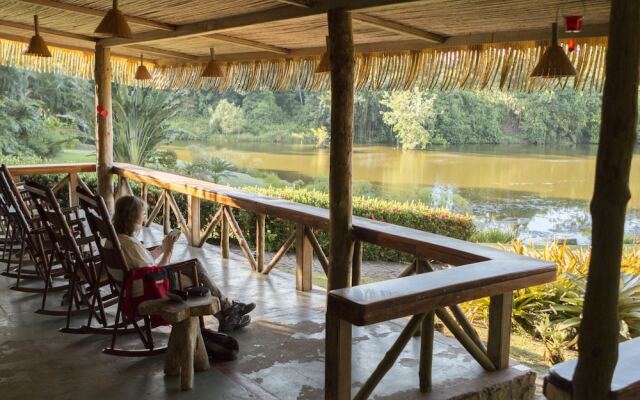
x=128, y=214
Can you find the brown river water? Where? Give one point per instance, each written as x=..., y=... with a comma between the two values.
x=541, y=191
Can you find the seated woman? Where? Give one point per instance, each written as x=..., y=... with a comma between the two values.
x=128, y=218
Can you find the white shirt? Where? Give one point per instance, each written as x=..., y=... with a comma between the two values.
x=135, y=255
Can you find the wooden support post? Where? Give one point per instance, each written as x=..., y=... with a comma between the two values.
x=500, y=329
x=304, y=260
x=166, y=213
x=193, y=215
x=426, y=351
x=73, y=184
x=224, y=236
x=341, y=55
x=338, y=333
x=599, y=329
x=356, y=265
x=104, y=125
x=338, y=359
x=261, y=221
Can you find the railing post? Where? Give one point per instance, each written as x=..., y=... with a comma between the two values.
x=193, y=214
x=73, y=184
x=260, y=240
x=426, y=351
x=337, y=358
x=304, y=260
x=166, y=214
x=224, y=236
x=500, y=329
x=356, y=264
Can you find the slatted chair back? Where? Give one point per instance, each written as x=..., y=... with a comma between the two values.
x=105, y=236
x=23, y=200
x=75, y=249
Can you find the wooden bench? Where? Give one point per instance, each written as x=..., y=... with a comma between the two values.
x=423, y=296
x=186, y=350
x=626, y=378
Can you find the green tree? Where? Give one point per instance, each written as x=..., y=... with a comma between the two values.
x=411, y=115
x=141, y=122
x=227, y=119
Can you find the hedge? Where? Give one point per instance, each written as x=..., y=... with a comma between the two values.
x=410, y=214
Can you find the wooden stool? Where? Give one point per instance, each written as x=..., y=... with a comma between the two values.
x=186, y=349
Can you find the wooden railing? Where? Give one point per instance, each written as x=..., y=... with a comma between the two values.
x=428, y=287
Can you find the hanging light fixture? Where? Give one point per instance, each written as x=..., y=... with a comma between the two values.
x=142, y=73
x=324, y=65
x=114, y=24
x=37, y=46
x=554, y=63
x=212, y=69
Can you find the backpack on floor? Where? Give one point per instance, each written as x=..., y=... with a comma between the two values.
x=220, y=346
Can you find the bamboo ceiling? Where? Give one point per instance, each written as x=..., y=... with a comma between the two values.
x=274, y=44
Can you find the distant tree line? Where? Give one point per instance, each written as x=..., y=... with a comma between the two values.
x=42, y=113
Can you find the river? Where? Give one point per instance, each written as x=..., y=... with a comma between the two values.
x=543, y=192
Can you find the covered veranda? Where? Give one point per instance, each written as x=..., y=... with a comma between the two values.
x=371, y=45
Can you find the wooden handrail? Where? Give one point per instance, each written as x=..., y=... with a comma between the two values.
x=43, y=169
x=411, y=295
x=407, y=240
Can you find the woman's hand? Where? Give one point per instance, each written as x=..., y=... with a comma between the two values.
x=168, y=242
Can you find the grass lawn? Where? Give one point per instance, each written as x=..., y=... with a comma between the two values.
x=82, y=153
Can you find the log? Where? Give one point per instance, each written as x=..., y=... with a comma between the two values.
x=500, y=329
x=210, y=227
x=281, y=252
x=465, y=341
x=341, y=54
x=166, y=213
x=261, y=220
x=193, y=214
x=104, y=125
x=317, y=249
x=599, y=329
x=73, y=184
x=356, y=264
x=237, y=232
x=156, y=210
x=304, y=260
x=389, y=358
x=426, y=351
x=224, y=235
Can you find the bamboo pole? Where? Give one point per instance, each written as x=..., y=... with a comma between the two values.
x=281, y=252
x=156, y=210
x=104, y=125
x=599, y=329
x=237, y=232
x=338, y=338
x=389, y=358
x=211, y=226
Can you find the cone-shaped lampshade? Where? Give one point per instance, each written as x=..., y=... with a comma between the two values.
x=37, y=46
x=212, y=69
x=142, y=73
x=324, y=65
x=554, y=63
x=114, y=23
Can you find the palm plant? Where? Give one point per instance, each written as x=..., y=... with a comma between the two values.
x=141, y=122
x=210, y=169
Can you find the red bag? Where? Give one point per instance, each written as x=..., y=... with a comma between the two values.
x=143, y=284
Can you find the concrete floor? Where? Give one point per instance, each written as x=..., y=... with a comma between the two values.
x=281, y=352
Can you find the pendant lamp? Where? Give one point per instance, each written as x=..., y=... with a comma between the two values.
x=212, y=69
x=142, y=73
x=554, y=63
x=114, y=24
x=324, y=65
x=37, y=46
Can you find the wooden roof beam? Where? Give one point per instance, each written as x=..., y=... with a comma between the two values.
x=283, y=13
x=98, y=13
x=297, y=3
x=397, y=27
x=93, y=40
x=155, y=24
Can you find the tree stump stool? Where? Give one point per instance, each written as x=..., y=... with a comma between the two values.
x=185, y=351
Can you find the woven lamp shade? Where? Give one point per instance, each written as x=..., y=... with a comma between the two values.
x=114, y=24
x=554, y=63
x=142, y=73
x=212, y=69
x=324, y=65
x=37, y=46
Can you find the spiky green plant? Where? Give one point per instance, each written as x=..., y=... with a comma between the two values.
x=141, y=122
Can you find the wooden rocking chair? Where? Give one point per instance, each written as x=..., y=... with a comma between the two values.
x=75, y=249
x=106, y=240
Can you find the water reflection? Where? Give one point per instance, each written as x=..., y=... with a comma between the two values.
x=543, y=191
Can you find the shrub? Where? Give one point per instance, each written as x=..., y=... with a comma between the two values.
x=409, y=214
x=494, y=235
